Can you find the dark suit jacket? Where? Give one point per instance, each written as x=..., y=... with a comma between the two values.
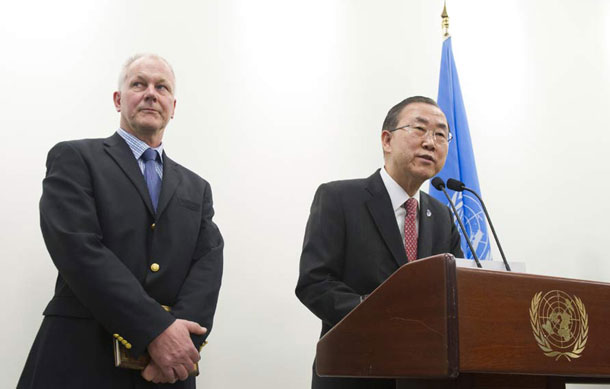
x=101, y=231
x=352, y=244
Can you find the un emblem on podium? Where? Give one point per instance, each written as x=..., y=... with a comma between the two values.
x=560, y=324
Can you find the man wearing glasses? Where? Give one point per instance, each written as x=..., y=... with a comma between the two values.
x=361, y=231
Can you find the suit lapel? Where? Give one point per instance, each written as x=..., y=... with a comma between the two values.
x=170, y=182
x=380, y=207
x=426, y=226
x=116, y=147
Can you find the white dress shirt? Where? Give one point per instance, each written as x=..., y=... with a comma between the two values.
x=399, y=196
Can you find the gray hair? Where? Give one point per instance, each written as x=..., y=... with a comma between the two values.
x=136, y=57
x=391, y=120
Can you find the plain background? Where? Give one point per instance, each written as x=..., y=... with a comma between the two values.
x=278, y=96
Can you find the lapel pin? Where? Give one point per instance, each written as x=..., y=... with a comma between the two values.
x=428, y=213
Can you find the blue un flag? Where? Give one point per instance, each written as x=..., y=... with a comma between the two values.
x=460, y=163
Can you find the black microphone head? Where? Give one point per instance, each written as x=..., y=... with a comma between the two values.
x=456, y=185
x=438, y=183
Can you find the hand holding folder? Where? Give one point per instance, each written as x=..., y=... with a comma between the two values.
x=171, y=354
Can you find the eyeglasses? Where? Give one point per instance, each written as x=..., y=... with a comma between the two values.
x=438, y=136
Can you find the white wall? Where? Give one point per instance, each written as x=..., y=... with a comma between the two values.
x=277, y=96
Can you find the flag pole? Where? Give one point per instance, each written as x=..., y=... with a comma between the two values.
x=445, y=23
x=460, y=160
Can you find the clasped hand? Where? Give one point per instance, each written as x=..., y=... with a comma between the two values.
x=172, y=354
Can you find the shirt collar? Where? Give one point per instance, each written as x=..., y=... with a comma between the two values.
x=137, y=146
x=398, y=196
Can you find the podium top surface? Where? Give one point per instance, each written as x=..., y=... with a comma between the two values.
x=517, y=267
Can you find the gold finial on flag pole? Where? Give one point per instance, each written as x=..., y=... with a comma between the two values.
x=445, y=23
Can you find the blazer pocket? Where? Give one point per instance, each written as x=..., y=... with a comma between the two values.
x=189, y=204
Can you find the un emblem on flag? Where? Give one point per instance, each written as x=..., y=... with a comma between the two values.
x=560, y=324
x=471, y=213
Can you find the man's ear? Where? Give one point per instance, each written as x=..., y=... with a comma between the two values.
x=386, y=136
x=116, y=97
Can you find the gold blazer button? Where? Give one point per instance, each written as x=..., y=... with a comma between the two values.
x=154, y=267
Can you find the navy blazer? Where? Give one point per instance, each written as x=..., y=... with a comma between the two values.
x=103, y=235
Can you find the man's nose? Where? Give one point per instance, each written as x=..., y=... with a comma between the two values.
x=151, y=93
x=428, y=141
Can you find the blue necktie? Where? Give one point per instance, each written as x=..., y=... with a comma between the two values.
x=153, y=181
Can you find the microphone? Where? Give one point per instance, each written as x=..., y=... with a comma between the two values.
x=439, y=184
x=455, y=185
x=459, y=186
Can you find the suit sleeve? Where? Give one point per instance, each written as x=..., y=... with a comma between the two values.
x=320, y=286
x=199, y=293
x=456, y=244
x=96, y=276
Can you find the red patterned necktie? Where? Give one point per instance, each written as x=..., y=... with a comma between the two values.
x=410, y=230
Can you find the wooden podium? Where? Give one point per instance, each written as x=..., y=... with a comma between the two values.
x=433, y=325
